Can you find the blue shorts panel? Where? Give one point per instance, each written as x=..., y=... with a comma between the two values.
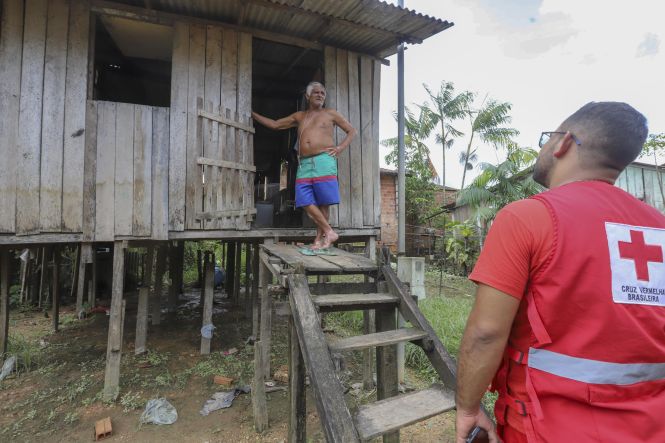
x=317, y=193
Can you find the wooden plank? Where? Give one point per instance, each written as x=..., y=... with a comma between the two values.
x=259, y=404
x=265, y=279
x=141, y=321
x=330, y=78
x=342, y=288
x=297, y=399
x=208, y=288
x=213, y=74
x=90, y=171
x=226, y=164
x=236, y=275
x=227, y=121
x=282, y=234
x=142, y=210
x=344, y=159
x=52, y=112
x=105, y=180
x=376, y=109
x=355, y=148
x=387, y=383
x=114, y=344
x=377, y=339
x=124, y=168
x=366, y=134
x=83, y=275
x=4, y=299
x=160, y=178
x=160, y=269
x=246, y=146
x=222, y=214
x=255, y=289
x=376, y=419
x=11, y=45
x=55, y=289
x=350, y=262
x=290, y=255
x=195, y=94
x=178, y=126
x=353, y=302
x=30, y=124
x=442, y=362
x=76, y=85
x=248, y=278
x=334, y=415
x=228, y=108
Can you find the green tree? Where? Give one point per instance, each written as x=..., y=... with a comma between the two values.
x=498, y=185
x=469, y=162
x=655, y=145
x=489, y=124
x=446, y=107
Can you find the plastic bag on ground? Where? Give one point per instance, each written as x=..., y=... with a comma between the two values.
x=222, y=400
x=8, y=367
x=159, y=411
x=206, y=330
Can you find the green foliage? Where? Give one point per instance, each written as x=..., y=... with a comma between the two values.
x=461, y=246
x=654, y=145
x=28, y=354
x=500, y=184
x=131, y=401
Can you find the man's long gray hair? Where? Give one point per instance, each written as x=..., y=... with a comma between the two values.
x=310, y=86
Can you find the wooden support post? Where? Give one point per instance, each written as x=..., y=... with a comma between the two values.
x=229, y=279
x=255, y=290
x=174, y=270
x=142, y=321
x=265, y=279
x=24, y=272
x=75, y=274
x=160, y=269
x=83, y=275
x=208, y=290
x=114, y=345
x=386, y=364
x=92, y=294
x=55, y=288
x=259, y=404
x=236, y=274
x=43, y=257
x=199, y=269
x=248, y=284
x=4, y=300
x=181, y=264
x=369, y=322
x=297, y=401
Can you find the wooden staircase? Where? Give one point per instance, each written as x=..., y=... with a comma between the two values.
x=312, y=349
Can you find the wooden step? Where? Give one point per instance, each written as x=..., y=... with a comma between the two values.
x=353, y=302
x=391, y=414
x=377, y=339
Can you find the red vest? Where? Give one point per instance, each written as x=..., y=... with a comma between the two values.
x=596, y=367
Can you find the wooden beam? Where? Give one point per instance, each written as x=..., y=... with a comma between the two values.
x=4, y=299
x=225, y=164
x=226, y=121
x=255, y=290
x=265, y=278
x=334, y=415
x=386, y=364
x=114, y=345
x=55, y=291
x=259, y=404
x=297, y=400
x=160, y=269
x=83, y=275
x=208, y=290
x=236, y=275
x=142, y=321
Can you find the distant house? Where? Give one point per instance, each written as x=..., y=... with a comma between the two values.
x=641, y=180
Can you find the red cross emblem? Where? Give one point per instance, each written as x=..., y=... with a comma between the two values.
x=640, y=253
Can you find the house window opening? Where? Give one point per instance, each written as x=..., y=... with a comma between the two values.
x=132, y=61
x=280, y=74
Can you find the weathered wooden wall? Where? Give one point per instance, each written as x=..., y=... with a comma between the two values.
x=43, y=83
x=641, y=180
x=353, y=84
x=212, y=69
x=129, y=144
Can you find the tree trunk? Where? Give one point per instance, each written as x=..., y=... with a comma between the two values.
x=468, y=151
x=443, y=171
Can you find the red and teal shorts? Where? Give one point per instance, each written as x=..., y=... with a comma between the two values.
x=316, y=181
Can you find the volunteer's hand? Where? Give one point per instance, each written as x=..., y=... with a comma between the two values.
x=333, y=151
x=466, y=421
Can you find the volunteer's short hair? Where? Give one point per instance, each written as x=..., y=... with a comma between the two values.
x=612, y=134
x=310, y=86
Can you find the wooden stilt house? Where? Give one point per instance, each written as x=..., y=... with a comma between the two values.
x=128, y=123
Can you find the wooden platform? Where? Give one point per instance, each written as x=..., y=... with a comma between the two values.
x=341, y=263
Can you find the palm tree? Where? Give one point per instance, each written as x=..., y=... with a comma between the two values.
x=498, y=185
x=447, y=107
x=489, y=124
x=469, y=162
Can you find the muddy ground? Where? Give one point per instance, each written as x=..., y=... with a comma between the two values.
x=59, y=399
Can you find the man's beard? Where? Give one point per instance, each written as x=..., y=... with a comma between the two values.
x=541, y=170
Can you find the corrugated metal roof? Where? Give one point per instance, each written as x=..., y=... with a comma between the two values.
x=367, y=26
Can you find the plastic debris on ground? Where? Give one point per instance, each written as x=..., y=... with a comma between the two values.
x=222, y=400
x=206, y=330
x=8, y=367
x=230, y=351
x=159, y=411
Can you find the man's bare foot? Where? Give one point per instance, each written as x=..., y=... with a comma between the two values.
x=329, y=238
x=317, y=242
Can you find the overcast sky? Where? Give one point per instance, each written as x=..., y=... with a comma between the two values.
x=546, y=57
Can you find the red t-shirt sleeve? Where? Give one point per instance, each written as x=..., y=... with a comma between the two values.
x=517, y=246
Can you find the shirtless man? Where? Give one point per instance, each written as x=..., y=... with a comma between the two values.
x=316, y=180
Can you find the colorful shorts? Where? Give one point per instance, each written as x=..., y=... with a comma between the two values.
x=316, y=181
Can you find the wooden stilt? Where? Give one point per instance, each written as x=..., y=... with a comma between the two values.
x=236, y=274
x=4, y=300
x=369, y=322
x=386, y=364
x=229, y=279
x=43, y=258
x=114, y=345
x=75, y=274
x=259, y=404
x=83, y=275
x=160, y=268
x=265, y=279
x=255, y=291
x=248, y=282
x=173, y=273
x=24, y=272
x=142, y=321
x=298, y=406
x=55, y=288
x=208, y=290
x=92, y=294
x=199, y=269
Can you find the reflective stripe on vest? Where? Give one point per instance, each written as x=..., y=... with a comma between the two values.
x=594, y=371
